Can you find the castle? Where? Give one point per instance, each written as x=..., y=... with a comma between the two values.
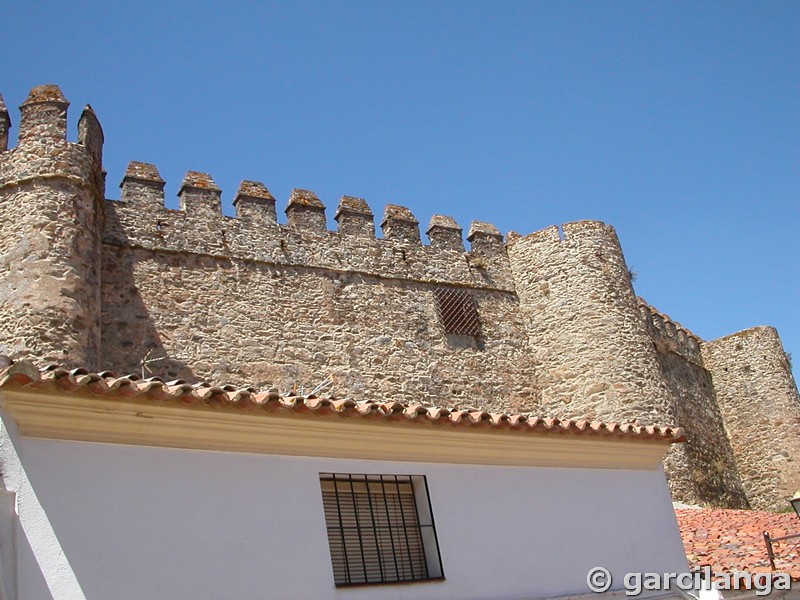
x=545, y=323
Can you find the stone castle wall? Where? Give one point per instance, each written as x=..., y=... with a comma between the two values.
x=702, y=471
x=758, y=398
x=251, y=301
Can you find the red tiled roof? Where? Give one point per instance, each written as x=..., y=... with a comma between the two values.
x=733, y=540
x=108, y=385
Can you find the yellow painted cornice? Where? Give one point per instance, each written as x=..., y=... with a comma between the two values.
x=172, y=424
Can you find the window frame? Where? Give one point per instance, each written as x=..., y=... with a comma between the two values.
x=373, y=538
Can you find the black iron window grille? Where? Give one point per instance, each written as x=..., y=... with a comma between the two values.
x=457, y=311
x=380, y=528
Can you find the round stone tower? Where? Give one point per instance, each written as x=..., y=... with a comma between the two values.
x=758, y=399
x=51, y=196
x=594, y=356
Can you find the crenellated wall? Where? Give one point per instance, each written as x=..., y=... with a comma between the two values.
x=255, y=299
x=140, y=220
x=247, y=300
x=703, y=470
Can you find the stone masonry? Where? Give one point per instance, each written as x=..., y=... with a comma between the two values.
x=546, y=323
x=751, y=374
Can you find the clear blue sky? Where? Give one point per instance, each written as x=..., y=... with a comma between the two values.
x=676, y=122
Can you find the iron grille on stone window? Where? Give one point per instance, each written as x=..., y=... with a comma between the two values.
x=380, y=528
x=457, y=311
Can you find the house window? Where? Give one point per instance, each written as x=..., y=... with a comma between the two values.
x=457, y=311
x=380, y=528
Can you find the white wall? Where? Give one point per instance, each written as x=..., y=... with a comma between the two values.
x=101, y=521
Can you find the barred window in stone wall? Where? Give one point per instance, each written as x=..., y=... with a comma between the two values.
x=457, y=311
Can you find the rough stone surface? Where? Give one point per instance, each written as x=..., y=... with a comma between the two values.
x=703, y=470
x=255, y=203
x=43, y=116
x=142, y=186
x=482, y=229
x=443, y=231
x=142, y=171
x=287, y=307
x=400, y=224
x=200, y=196
x=594, y=355
x=758, y=399
x=354, y=217
x=50, y=232
x=306, y=211
x=192, y=294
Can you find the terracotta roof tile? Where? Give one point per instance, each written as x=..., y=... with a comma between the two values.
x=733, y=540
x=107, y=384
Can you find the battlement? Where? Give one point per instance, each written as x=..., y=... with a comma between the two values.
x=42, y=149
x=140, y=219
x=574, y=231
x=671, y=336
x=740, y=338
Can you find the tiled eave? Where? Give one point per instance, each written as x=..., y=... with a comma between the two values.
x=76, y=404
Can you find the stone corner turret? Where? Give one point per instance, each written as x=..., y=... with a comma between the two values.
x=51, y=194
x=759, y=402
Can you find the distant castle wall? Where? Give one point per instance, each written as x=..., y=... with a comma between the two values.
x=703, y=470
x=546, y=323
x=758, y=399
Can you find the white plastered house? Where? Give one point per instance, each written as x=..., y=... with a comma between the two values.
x=126, y=488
